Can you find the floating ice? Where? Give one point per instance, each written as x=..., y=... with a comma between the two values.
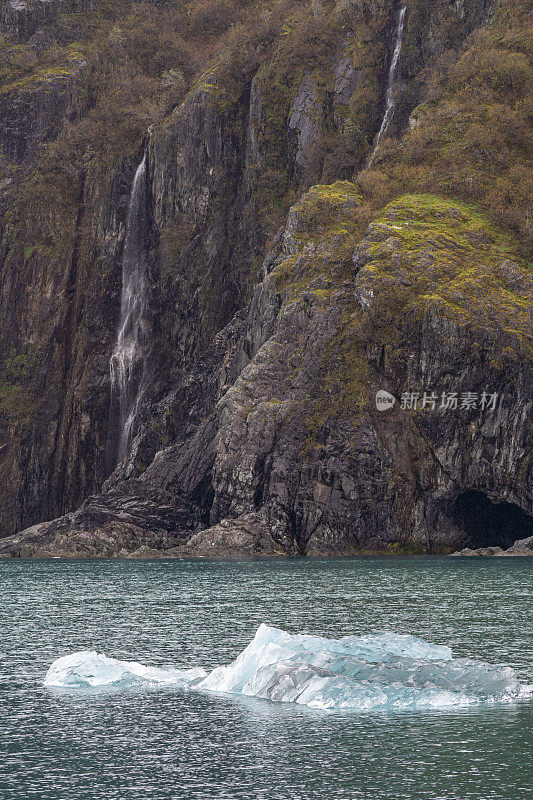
x=88, y=668
x=354, y=673
x=385, y=670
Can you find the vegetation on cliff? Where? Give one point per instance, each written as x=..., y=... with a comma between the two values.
x=422, y=255
x=471, y=138
x=258, y=109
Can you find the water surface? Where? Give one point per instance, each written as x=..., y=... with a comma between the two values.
x=148, y=744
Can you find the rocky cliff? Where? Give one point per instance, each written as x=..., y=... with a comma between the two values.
x=286, y=287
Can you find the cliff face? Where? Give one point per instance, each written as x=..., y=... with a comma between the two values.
x=271, y=330
x=295, y=456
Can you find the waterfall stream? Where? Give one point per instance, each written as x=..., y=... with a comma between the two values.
x=127, y=363
x=389, y=98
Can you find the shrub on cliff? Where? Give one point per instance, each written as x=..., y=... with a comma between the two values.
x=212, y=18
x=472, y=139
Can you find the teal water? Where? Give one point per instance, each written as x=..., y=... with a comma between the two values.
x=158, y=744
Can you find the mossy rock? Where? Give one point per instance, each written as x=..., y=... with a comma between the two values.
x=422, y=254
x=322, y=227
x=445, y=255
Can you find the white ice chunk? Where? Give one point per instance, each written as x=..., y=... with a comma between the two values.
x=89, y=668
x=384, y=671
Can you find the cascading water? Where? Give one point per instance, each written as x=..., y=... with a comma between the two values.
x=127, y=363
x=389, y=98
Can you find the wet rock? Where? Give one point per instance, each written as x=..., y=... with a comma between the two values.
x=466, y=551
x=246, y=535
x=305, y=120
x=522, y=547
x=146, y=552
x=346, y=81
x=33, y=111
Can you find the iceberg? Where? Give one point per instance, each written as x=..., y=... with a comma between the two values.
x=89, y=668
x=383, y=671
x=356, y=673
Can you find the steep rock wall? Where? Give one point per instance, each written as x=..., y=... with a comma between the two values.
x=223, y=170
x=295, y=457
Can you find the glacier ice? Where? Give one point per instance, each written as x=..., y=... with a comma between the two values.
x=354, y=673
x=385, y=670
x=88, y=668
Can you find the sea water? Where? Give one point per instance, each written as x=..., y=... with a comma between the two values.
x=275, y=679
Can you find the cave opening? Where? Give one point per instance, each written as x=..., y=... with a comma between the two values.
x=488, y=524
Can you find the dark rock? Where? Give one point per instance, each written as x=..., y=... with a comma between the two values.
x=522, y=547
x=34, y=109
x=293, y=456
x=258, y=430
x=21, y=18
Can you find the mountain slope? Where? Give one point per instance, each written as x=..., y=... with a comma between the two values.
x=257, y=414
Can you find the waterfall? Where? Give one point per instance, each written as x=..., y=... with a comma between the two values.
x=389, y=98
x=127, y=363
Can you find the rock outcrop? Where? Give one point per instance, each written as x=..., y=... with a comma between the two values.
x=522, y=547
x=294, y=456
x=22, y=18
x=33, y=110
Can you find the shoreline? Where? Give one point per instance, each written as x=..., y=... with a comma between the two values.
x=256, y=557
x=46, y=540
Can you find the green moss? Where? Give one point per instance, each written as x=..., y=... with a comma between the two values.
x=324, y=229
x=221, y=91
x=451, y=259
x=324, y=226
x=43, y=76
x=321, y=205
x=16, y=401
x=423, y=253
